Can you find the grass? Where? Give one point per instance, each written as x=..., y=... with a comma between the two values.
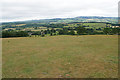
x=90, y=25
x=88, y=56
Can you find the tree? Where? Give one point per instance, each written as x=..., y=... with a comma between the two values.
x=42, y=33
x=48, y=31
x=115, y=30
x=14, y=34
x=61, y=32
x=65, y=31
x=90, y=31
x=71, y=32
x=45, y=31
x=53, y=30
x=51, y=34
x=107, y=30
x=80, y=30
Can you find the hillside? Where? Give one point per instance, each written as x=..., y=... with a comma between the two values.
x=75, y=19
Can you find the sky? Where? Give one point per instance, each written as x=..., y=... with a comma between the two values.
x=20, y=10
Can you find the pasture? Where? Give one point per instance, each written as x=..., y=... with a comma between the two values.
x=85, y=56
x=89, y=25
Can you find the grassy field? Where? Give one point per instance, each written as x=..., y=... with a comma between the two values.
x=88, y=56
x=91, y=25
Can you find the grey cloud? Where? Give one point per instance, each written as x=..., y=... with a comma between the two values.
x=38, y=9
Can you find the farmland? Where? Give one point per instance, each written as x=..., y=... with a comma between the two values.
x=61, y=56
x=35, y=25
x=41, y=26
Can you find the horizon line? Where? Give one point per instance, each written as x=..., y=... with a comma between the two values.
x=48, y=18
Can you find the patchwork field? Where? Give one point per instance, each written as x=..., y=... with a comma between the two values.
x=88, y=56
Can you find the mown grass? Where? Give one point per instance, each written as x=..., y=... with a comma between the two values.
x=88, y=56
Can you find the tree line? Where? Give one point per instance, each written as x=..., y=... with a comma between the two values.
x=83, y=31
x=6, y=34
x=63, y=31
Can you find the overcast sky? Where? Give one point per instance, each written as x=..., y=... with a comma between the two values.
x=17, y=10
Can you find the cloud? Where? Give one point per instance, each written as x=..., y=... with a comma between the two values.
x=16, y=10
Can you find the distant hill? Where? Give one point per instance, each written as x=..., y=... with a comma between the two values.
x=75, y=19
